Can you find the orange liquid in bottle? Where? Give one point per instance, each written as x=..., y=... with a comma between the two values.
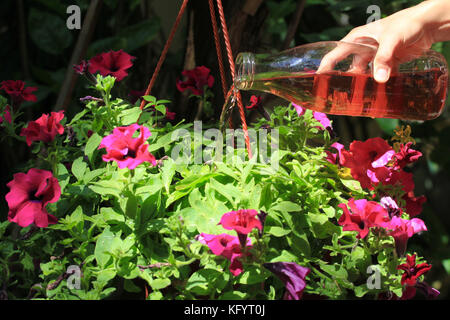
x=416, y=95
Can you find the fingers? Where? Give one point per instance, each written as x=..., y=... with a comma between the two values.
x=384, y=58
x=362, y=55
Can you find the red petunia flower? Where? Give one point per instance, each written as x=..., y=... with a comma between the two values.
x=170, y=115
x=44, y=129
x=197, y=79
x=367, y=160
x=7, y=115
x=29, y=194
x=405, y=180
x=405, y=156
x=17, y=91
x=82, y=67
x=412, y=271
x=364, y=215
x=226, y=246
x=127, y=151
x=114, y=63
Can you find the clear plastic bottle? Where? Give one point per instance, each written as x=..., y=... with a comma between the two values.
x=336, y=77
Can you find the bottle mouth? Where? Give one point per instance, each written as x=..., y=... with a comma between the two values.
x=245, y=68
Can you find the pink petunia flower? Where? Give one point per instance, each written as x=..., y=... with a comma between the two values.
x=29, y=194
x=300, y=110
x=44, y=129
x=197, y=79
x=17, y=91
x=363, y=216
x=402, y=229
x=127, y=151
x=112, y=63
x=227, y=246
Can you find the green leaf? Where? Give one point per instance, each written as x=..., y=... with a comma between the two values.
x=161, y=108
x=103, y=246
x=158, y=284
x=167, y=173
x=107, y=187
x=253, y=275
x=48, y=31
x=276, y=231
x=286, y=206
x=132, y=206
x=234, y=295
x=205, y=281
x=79, y=168
x=92, y=144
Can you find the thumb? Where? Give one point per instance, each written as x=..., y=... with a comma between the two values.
x=384, y=59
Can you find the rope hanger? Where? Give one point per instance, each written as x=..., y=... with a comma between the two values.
x=226, y=93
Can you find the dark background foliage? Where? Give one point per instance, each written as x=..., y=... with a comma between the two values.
x=37, y=47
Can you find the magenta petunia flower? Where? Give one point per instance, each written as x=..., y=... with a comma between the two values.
x=363, y=216
x=300, y=110
x=242, y=221
x=127, y=151
x=29, y=194
x=112, y=63
x=335, y=158
x=17, y=91
x=292, y=275
x=323, y=119
x=402, y=229
x=44, y=129
x=227, y=246
x=197, y=79
x=7, y=115
x=412, y=271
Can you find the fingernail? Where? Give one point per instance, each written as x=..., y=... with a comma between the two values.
x=381, y=75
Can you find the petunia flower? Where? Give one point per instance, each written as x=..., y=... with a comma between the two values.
x=412, y=271
x=44, y=129
x=127, y=151
x=113, y=63
x=170, y=115
x=17, y=91
x=82, y=67
x=363, y=216
x=300, y=110
x=335, y=158
x=197, y=79
x=405, y=156
x=227, y=246
x=405, y=181
x=391, y=206
x=367, y=160
x=7, y=115
x=323, y=119
x=242, y=221
x=402, y=229
x=292, y=275
x=29, y=195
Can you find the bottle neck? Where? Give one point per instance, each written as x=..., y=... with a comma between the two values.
x=245, y=68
